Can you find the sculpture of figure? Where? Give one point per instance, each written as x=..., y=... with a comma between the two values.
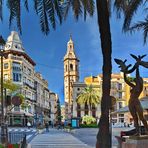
x=134, y=104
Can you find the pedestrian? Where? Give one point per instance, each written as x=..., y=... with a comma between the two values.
x=47, y=126
x=28, y=124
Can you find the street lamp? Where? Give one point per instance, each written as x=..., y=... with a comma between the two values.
x=3, y=125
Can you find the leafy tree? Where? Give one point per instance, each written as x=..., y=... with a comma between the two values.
x=13, y=89
x=88, y=119
x=88, y=96
x=59, y=117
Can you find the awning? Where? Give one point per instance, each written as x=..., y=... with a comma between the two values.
x=143, y=101
x=16, y=113
x=20, y=113
x=29, y=114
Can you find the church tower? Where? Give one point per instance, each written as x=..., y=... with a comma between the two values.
x=71, y=72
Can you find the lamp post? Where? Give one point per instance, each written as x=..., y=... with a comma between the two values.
x=3, y=125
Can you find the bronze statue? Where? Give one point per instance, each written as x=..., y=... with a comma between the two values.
x=134, y=104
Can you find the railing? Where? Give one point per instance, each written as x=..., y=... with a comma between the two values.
x=17, y=138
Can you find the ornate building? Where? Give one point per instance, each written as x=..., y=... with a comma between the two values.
x=71, y=74
x=20, y=69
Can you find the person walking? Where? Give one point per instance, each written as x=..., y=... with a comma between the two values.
x=47, y=127
x=28, y=125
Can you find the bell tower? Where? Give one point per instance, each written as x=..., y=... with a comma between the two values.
x=71, y=72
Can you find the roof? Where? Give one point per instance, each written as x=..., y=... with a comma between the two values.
x=19, y=54
x=143, y=101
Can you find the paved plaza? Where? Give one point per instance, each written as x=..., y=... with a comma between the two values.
x=78, y=138
x=56, y=139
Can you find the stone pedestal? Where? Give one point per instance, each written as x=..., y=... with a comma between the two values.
x=136, y=142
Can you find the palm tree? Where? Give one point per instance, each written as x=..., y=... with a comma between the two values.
x=89, y=96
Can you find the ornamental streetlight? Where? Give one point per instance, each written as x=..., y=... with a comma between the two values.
x=3, y=125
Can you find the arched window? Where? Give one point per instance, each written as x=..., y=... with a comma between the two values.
x=71, y=67
x=76, y=67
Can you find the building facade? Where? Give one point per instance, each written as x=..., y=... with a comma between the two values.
x=80, y=110
x=20, y=69
x=53, y=109
x=42, y=106
x=119, y=89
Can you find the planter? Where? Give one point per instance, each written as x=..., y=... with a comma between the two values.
x=136, y=142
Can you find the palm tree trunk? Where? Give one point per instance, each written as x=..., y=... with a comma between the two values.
x=103, y=136
x=89, y=110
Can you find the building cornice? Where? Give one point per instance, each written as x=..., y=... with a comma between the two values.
x=20, y=54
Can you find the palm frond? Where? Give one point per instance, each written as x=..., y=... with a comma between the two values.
x=41, y=11
x=58, y=9
x=77, y=8
x=130, y=11
x=88, y=96
x=49, y=8
x=46, y=10
x=1, y=10
x=36, y=4
x=121, y=6
x=141, y=25
x=66, y=6
x=89, y=7
x=14, y=7
x=26, y=5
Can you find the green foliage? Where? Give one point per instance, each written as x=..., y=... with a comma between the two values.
x=89, y=96
x=11, y=86
x=92, y=125
x=59, y=117
x=88, y=119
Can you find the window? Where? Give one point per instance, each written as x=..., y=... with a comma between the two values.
x=29, y=71
x=66, y=68
x=120, y=105
x=17, y=77
x=78, y=106
x=16, y=66
x=5, y=65
x=120, y=95
x=78, y=113
x=76, y=67
x=5, y=76
x=71, y=67
x=94, y=114
x=120, y=86
x=86, y=112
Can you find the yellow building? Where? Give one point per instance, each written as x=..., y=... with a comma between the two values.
x=119, y=89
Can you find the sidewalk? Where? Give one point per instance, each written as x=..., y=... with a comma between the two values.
x=56, y=139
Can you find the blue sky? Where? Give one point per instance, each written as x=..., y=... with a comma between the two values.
x=48, y=51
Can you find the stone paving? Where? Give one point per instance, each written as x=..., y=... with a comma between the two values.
x=56, y=139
